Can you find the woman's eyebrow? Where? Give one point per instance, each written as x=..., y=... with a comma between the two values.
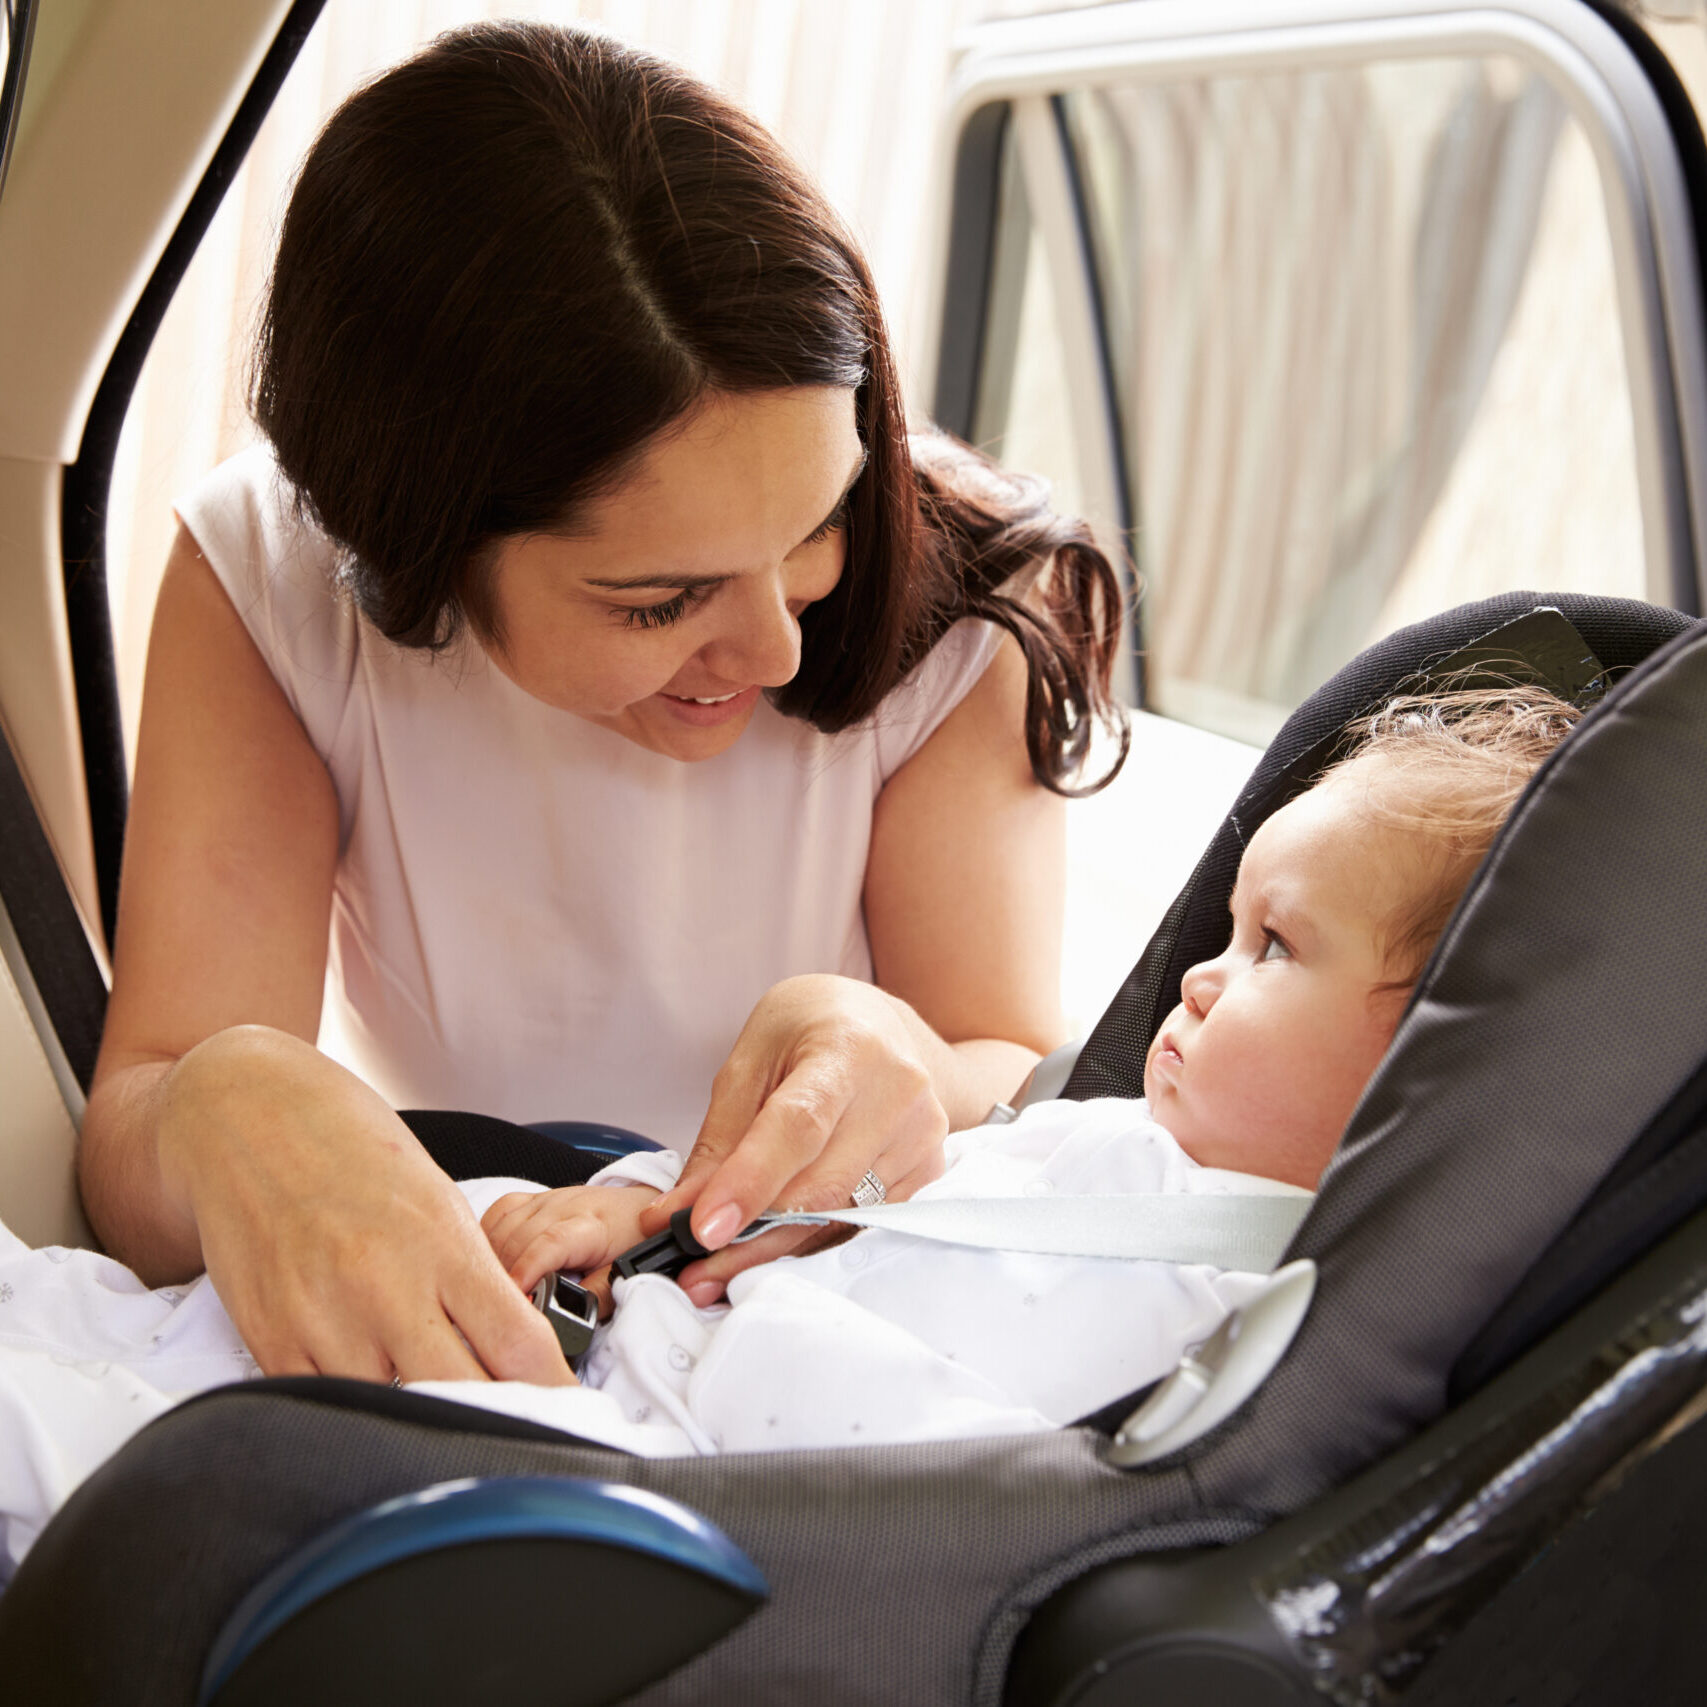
x=624, y=583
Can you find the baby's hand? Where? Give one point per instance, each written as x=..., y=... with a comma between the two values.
x=581, y=1227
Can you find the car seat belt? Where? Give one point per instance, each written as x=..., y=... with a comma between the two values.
x=1249, y=1231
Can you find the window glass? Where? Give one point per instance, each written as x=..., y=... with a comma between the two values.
x=1364, y=334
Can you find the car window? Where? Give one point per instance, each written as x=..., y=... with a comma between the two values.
x=1362, y=328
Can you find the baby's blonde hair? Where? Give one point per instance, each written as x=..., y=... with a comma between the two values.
x=1455, y=762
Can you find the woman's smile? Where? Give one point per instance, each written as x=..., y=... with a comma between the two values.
x=708, y=712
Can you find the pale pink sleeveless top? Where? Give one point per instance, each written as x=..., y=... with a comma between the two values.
x=533, y=917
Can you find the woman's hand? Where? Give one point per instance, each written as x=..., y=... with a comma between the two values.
x=580, y=1227
x=332, y=1238
x=828, y=1080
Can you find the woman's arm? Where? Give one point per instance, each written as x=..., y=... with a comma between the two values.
x=216, y=1135
x=965, y=893
x=830, y=1077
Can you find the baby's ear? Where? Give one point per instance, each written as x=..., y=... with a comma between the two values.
x=1388, y=1001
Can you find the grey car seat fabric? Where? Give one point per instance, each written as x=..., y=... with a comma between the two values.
x=1557, y=1018
x=885, y=1564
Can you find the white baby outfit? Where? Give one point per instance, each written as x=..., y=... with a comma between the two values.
x=885, y=1338
x=534, y=917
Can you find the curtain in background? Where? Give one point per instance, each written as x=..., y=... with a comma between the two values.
x=1315, y=279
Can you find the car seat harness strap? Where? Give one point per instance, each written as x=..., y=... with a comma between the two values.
x=1249, y=1232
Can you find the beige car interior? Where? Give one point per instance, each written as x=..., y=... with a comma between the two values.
x=84, y=220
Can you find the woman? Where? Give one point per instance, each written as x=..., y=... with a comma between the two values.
x=583, y=658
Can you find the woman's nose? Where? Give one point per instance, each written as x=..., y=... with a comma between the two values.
x=762, y=642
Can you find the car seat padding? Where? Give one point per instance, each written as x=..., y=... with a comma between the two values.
x=1660, y=1181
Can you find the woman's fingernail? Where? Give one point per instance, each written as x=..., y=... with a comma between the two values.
x=719, y=1227
x=702, y=1293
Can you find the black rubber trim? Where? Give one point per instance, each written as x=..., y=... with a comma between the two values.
x=20, y=38
x=965, y=308
x=47, y=927
x=32, y=887
x=1114, y=425
x=85, y=495
x=1685, y=125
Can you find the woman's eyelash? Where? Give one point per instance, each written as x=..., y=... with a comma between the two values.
x=661, y=616
x=832, y=523
x=674, y=609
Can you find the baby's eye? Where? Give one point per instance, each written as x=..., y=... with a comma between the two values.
x=1273, y=948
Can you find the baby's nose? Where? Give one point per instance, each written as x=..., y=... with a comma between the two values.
x=1201, y=985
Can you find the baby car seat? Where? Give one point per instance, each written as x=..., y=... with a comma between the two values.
x=1472, y=1479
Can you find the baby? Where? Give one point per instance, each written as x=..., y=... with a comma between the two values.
x=1340, y=897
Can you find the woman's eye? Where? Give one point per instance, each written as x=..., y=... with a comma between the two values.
x=832, y=523
x=662, y=615
x=1273, y=948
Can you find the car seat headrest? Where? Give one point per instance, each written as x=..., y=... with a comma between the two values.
x=1508, y=635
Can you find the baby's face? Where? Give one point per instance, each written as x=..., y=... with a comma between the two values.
x=1261, y=1064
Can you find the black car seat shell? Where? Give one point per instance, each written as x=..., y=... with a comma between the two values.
x=1557, y=1023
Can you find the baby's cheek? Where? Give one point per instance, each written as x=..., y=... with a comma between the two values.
x=1367, y=1042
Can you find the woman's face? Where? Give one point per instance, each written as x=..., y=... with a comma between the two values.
x=677, y=600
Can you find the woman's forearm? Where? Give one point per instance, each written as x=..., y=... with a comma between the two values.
x=137, y=1216
x=150, y=1123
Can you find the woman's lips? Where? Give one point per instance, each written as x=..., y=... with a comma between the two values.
x=706, y=712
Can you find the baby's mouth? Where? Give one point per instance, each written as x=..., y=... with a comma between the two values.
x=1167, y=1059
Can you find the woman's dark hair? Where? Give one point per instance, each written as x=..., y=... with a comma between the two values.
x=510, y=261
